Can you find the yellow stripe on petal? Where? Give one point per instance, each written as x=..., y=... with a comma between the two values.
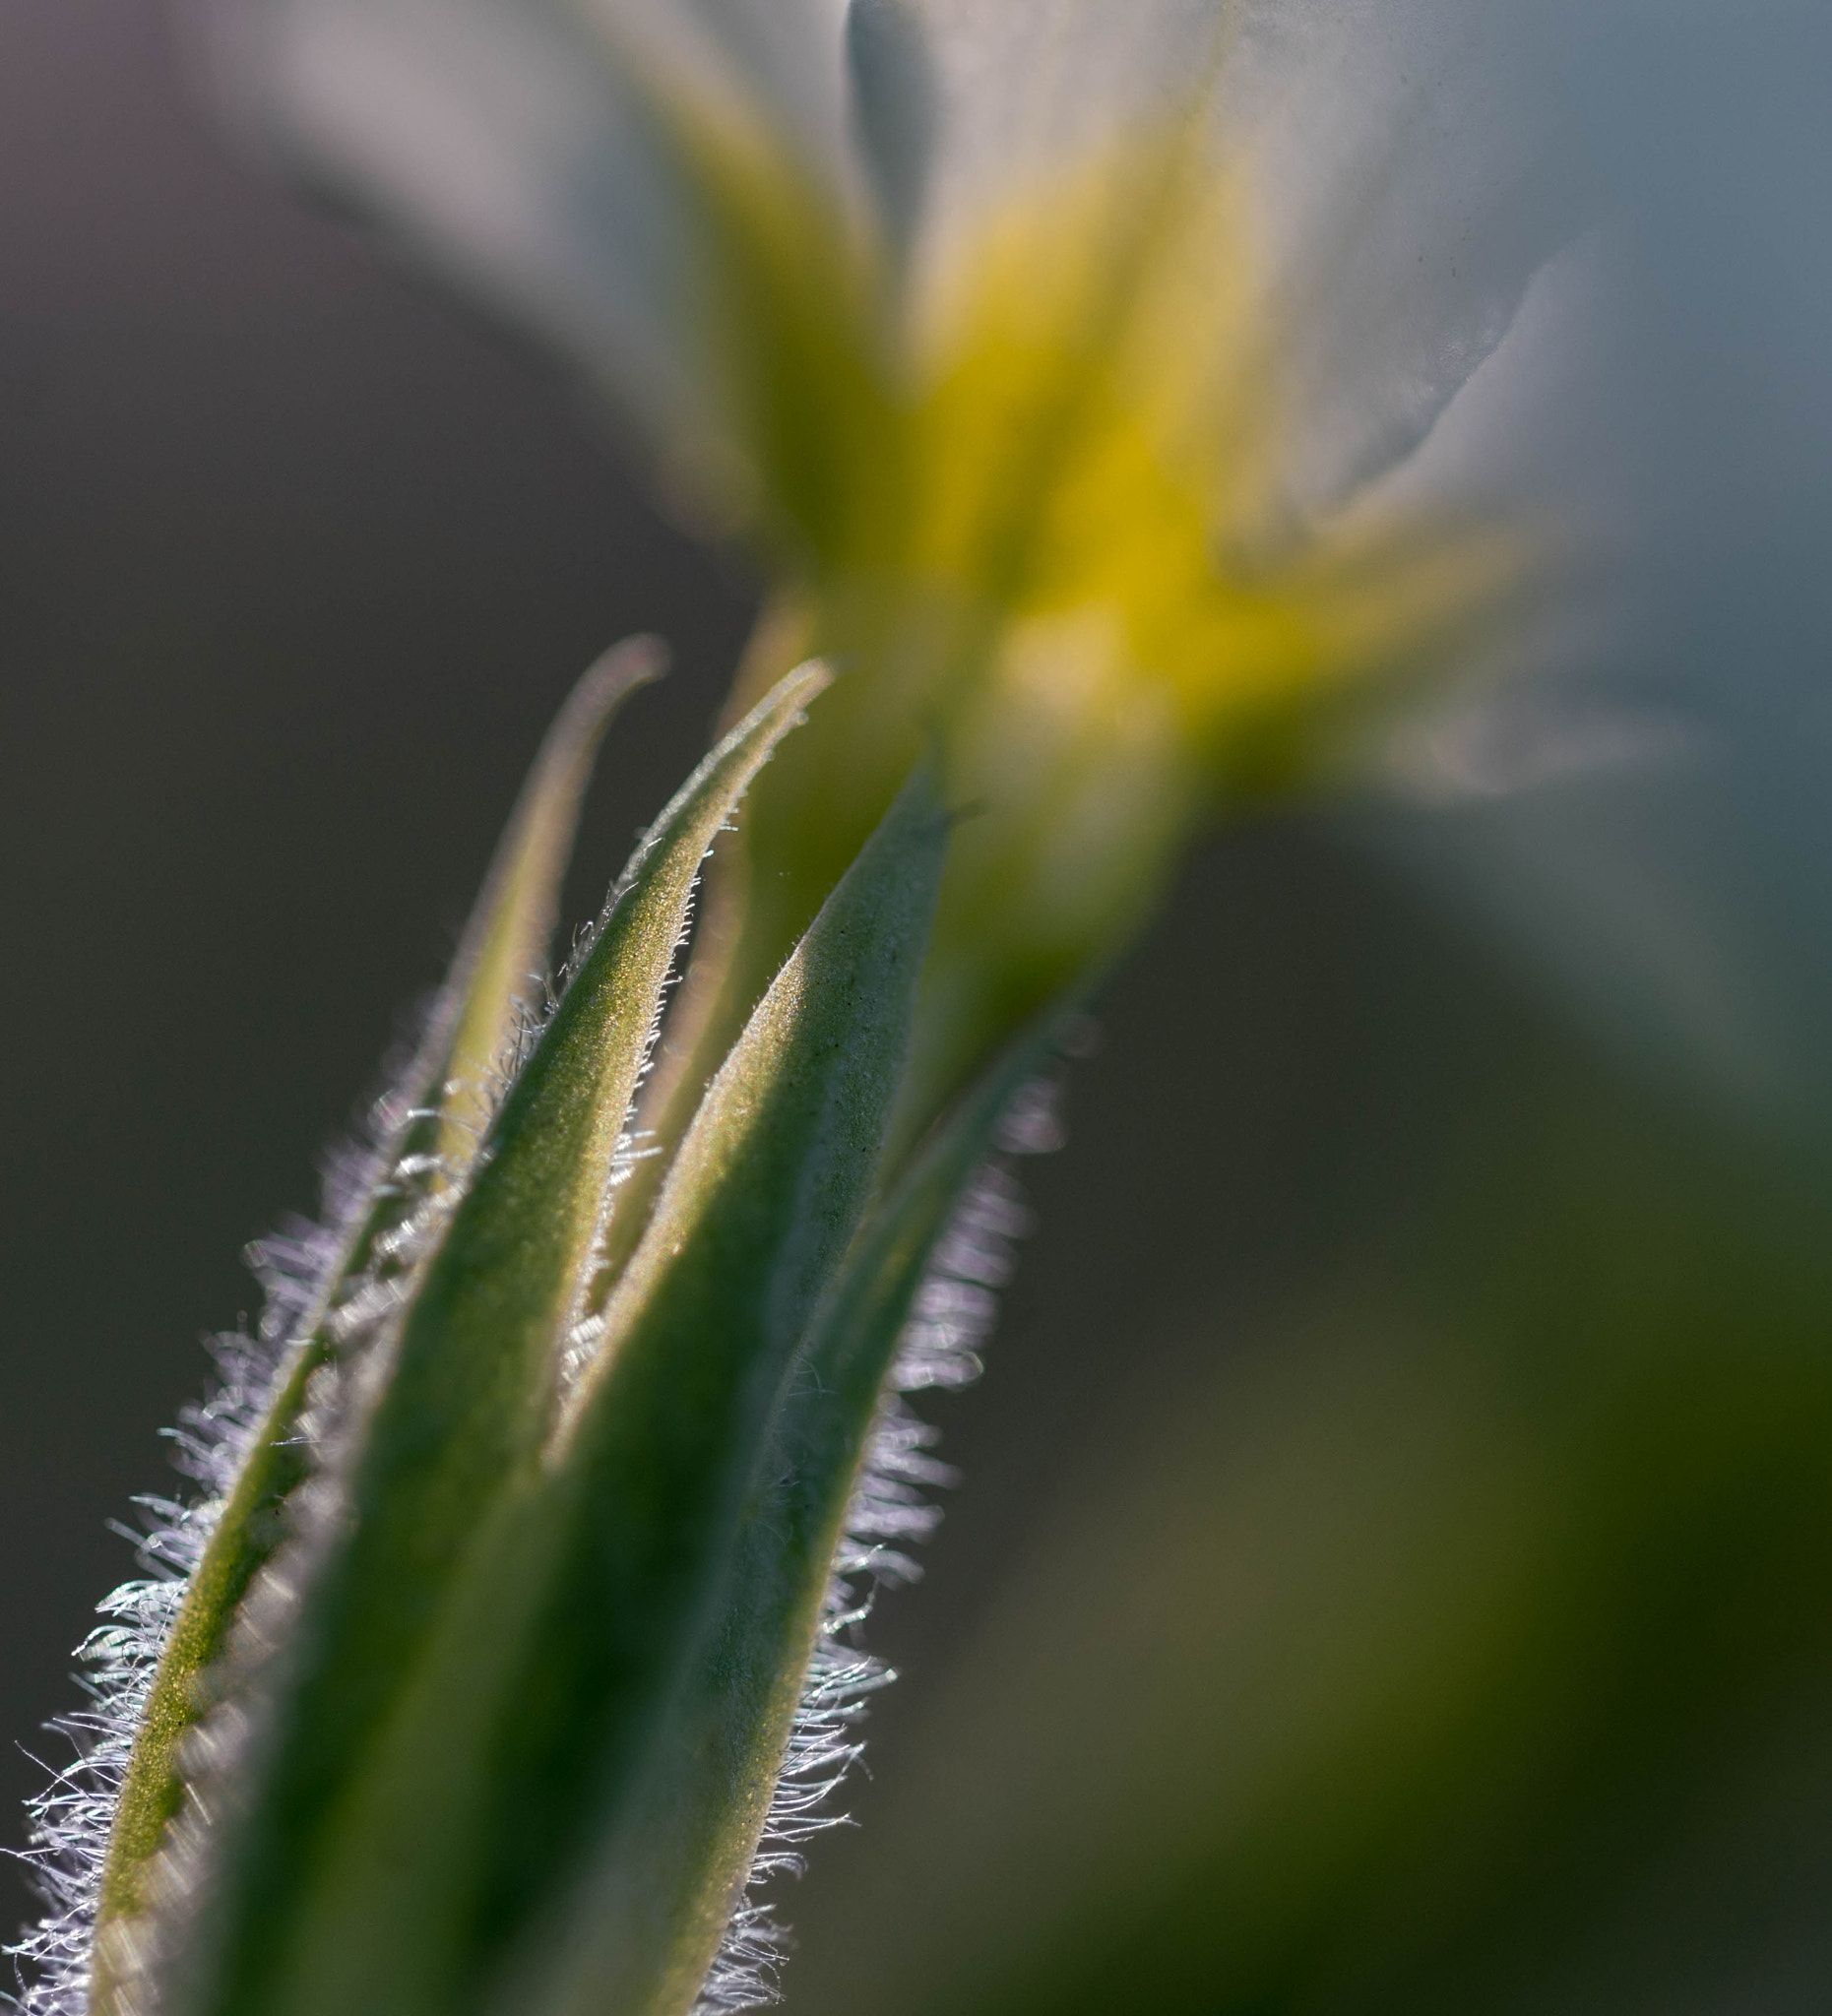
x=1016, y=498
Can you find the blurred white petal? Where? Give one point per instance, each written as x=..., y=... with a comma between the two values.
x=1411, y=194
x=1684, y=423
x=494, y=141
x=512, y=145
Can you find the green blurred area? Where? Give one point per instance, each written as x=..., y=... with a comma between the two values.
x=1431, y=1615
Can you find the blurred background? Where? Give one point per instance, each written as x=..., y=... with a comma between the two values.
x=1394, y=1564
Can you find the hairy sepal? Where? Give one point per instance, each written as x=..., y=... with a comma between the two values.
x=709, y=1790
x=427, y=1434
x=501, y=1807
x=425, y=1138
x=503, y=955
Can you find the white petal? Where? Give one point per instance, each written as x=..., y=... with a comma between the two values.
x=1685, y=907
x=1405, y=196
x=1412, y=190
x=784, y=56
x=506, y=142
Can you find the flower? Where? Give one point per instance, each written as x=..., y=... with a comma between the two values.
x=1051, y=361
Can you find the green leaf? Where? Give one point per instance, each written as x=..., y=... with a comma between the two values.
x=443, y=1406
x=434, y=1122
x=502, y=1807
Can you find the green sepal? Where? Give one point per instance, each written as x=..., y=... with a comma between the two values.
x=701, y=1808
x=429, y=1129
x=495, y=1810
x=465, y=1387
x=638, y=1937
x=505, y=945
